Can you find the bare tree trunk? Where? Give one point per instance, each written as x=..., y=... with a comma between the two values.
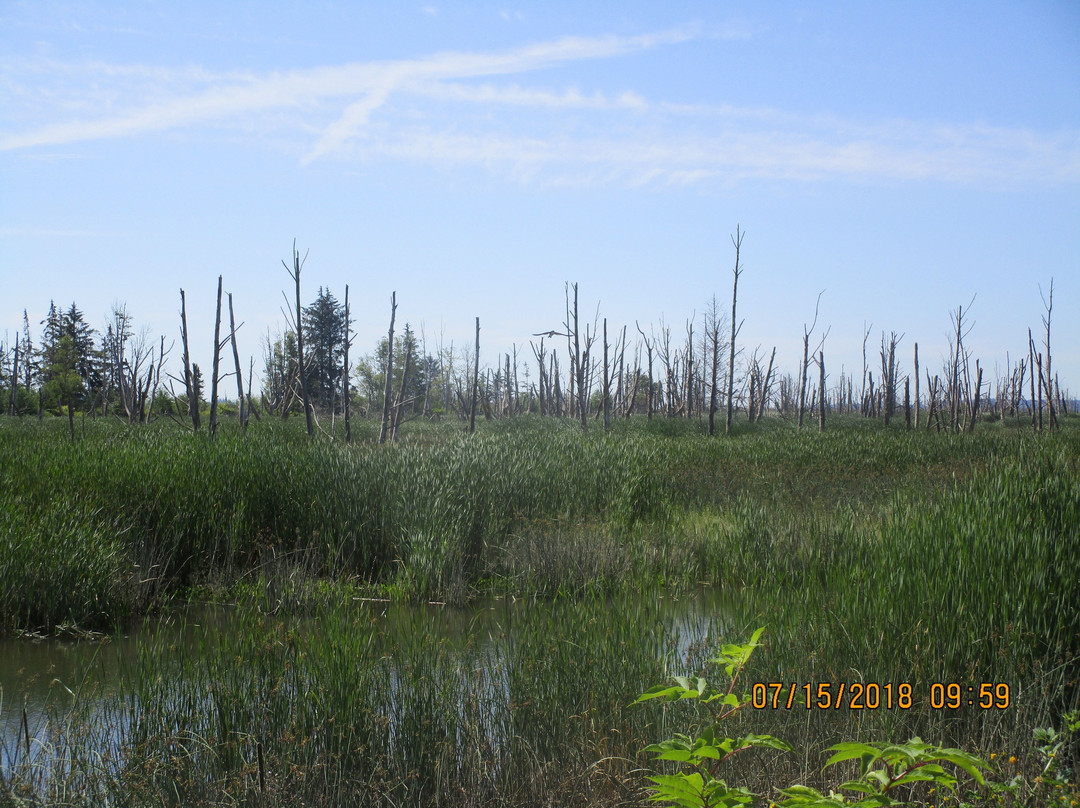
x=1048, y=378
x=916, y=385
x=806, y=360
x=765, y=387
x=888, y=372
x=476, y=378
x=389, y=371
x=1031, y=367
x=1040, y=386
x=737, y=241
x=399, y=402
x=863, y=401
x=251, y=403
x=301, y=360
x=907, y=402
x=606, y=391
x=193, y=400
x=978, y=397
x=542, y=381
x=14, y=377
x=217, y=362
x=236, y=362
x=689, y=368
x=345, y=372
x=579, y=365
x=821, y=384
x=648, y=353
x=954, y=384
x=571, y=350
x=558, y=387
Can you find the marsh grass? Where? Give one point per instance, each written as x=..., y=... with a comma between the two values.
x=872, y=555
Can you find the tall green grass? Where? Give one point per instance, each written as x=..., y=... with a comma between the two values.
x=523, y=507
x=872, y=555
x=516, y=706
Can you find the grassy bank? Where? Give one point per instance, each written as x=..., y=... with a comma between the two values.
x=873, y=556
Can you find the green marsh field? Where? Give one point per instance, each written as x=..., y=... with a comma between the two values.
x=465, y=620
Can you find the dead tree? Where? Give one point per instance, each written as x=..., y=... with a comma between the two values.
x=932, y=403
x=959, y=364
x=301, y=361
x=978, y=397
x=388, y=371
x=1048, y=376
x=804, y=367
x=399, y=401
x=542, y=381
x=572, y=345
x=888, y=372
x=476, y=376
x=189, y=381
x=648, y=354
x=916, y=385
x=737, y=241
x=712, y=337
x=766, y=386
x=250, y=401
x=907, y=402
x=863, y=399
x=578, y=361
x=148, y=391
x=821, y=385
x=606, y=387
x=217, y=362
x=554, y=375
x=243, y=413
x=628, y=407
x=14, y=377
x=690, y=367
x=346, y=370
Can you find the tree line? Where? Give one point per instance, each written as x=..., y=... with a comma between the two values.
x=583, y=370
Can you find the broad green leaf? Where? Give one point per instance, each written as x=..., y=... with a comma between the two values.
x=806, y=797
x=680, y=755
x=850, y=751
x=913, y=776
x=969, y=763
x=859, y=785
x=682, y=789
x=880, y=776
x=659, y=692
x=767, y=741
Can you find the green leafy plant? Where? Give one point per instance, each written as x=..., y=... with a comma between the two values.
x=697, y=786
x=884, y=768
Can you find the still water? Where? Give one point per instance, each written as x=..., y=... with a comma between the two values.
x=41, y=679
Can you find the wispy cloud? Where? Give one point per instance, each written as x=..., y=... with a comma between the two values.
x=372, y=82
x=454, y=108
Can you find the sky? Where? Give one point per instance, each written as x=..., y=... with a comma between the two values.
x=886, y=162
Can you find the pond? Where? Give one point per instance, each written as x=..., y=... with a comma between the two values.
x=481, y=673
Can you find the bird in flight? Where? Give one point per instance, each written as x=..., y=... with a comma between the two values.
x=550, y=334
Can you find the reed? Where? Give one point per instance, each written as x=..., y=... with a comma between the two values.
x=872, y=555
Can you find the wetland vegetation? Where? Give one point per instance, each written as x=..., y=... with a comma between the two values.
x=465, y=619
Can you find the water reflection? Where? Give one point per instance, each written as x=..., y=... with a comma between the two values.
x=492, y=647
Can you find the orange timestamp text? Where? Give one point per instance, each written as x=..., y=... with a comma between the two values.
x=875, y=696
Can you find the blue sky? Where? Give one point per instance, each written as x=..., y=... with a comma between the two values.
x=900, y=158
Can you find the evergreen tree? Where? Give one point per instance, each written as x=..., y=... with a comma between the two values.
x=70, y=365
x=324, y=336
